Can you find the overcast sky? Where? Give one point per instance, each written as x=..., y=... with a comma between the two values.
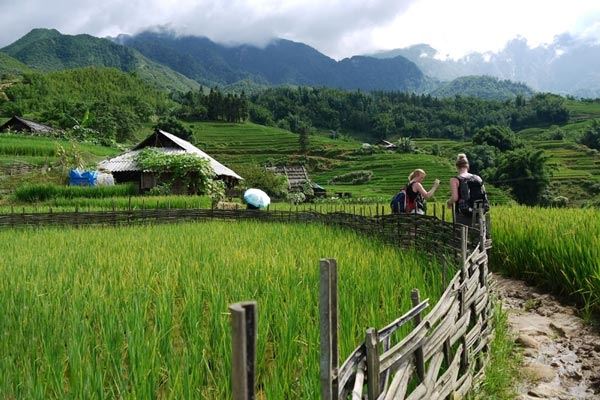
x=338, y=28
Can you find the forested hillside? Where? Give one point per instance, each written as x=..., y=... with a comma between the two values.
x=280, y=62
x=49, y=50
x=381, y=115
x=108, y=102
x=11, y=66
x=483, y=87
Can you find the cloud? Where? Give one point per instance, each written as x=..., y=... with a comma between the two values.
x=338, y=28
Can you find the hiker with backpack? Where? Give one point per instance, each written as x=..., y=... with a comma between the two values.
x=411, y=199
x=467, y=192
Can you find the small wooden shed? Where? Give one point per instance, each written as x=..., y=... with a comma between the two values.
x=297, y=177
x=387, y=145
x=18, y=124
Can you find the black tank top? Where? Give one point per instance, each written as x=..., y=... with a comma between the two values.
x=416, y=196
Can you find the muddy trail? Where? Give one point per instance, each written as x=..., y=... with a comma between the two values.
x=561, y=354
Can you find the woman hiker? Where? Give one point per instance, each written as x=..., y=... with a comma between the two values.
x=416, y=193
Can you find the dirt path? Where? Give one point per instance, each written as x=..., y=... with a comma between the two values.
x=561, y=354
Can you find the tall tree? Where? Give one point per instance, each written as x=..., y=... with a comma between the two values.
x=525, y=172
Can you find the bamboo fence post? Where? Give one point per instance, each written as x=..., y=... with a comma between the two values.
x=464, y=359
x=464, y=235
x=482, y=229
x=415, y=298
x=373, y=381
x=243, y=338
x=328, y=324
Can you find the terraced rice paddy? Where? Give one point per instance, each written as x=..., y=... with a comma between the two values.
x=140, y=312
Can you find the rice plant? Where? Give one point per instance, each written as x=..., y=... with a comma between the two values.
x=558, y=249
x=140, y=312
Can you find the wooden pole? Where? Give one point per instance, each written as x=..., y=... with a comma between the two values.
x=415, y=298
x=371, y=345
x=328, y=324
x=464, y=235
x=482, y=228
x=243, y=337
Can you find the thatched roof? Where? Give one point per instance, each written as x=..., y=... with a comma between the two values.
x=20, y=124
x=296, y=174
x=167, y=143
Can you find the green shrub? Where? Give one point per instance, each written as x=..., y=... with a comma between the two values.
x=353, y=178
x=258, y=177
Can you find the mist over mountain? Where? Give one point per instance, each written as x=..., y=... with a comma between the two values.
x=568, y=65
x=182, y=63
x=280, y=62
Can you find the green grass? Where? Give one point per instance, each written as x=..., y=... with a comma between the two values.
x=20, y=145
x=107, y=204
x=558, y=249
x=502, y=372
x=140, y=312
x=33, y=193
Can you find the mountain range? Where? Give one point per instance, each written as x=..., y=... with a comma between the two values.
x=280, y=62
x=568, y=65
x=173, y=62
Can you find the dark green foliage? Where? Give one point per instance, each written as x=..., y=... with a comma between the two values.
x=591, y=136
x=106, y=100
x=257, y=177
x=303, y=139
x=353, y=178
x=525, y=172
x=483, y=87
x=406, y=145
x=383, y=125
x=556, y=133
x=500, y=137
x=32, y=193
x=381, y=114
x=550, y=108
x=260, y=115
x=216, y=106
x=193, y=171
x=481, y=157
x=174, y=126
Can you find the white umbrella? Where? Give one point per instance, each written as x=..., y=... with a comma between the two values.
x=256, y=198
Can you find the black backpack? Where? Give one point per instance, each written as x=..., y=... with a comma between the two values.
x=471, y=195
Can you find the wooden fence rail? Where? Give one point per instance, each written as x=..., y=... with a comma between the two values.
x=427, y=233
x=440, y=358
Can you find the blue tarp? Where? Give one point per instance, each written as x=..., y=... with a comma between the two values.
x=82, y=178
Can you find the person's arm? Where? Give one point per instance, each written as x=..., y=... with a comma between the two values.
x=418, y=188
x=453, y=192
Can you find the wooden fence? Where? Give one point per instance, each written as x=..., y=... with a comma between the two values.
x=427, y=233
x=440, y=358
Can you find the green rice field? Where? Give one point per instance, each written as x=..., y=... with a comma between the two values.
x=141, y=312
x=558, y=249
